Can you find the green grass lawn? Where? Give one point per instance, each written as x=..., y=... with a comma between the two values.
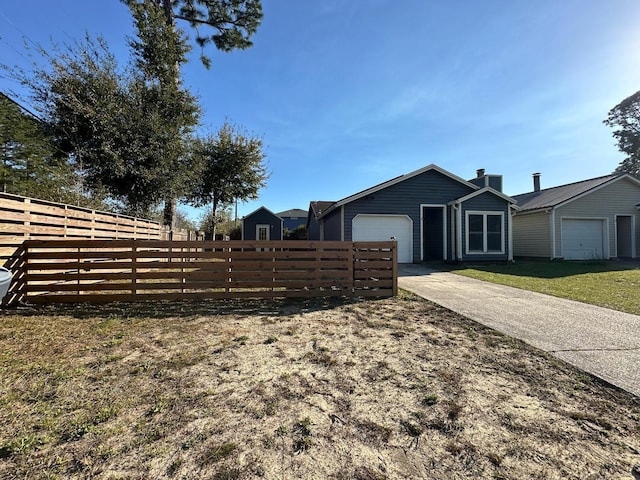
x=613, y=285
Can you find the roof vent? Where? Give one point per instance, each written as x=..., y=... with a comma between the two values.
x=480, y=172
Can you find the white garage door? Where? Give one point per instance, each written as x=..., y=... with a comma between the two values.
x=376, y=228
x=582, y=239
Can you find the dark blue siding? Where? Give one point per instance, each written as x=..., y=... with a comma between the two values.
x=332, y=230
x=313, y=228
x=486, y=202
x=404, y=198
x=495, y=182
x=261, y=217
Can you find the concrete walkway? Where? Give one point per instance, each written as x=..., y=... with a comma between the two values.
x=600, y=341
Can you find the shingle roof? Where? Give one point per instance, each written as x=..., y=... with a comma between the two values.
x=319, y=207
x=550, y=197
x=294, y=212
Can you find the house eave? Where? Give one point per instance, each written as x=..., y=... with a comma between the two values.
x=395, y=181
x=482, y=191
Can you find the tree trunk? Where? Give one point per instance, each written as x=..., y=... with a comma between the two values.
x=169, y=216
x=171, y=203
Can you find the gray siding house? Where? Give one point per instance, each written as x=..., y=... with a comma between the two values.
x=262, y=224
x=432, y=213
x=597, y=218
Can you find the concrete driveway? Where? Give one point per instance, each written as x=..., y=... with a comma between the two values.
x=600, y=341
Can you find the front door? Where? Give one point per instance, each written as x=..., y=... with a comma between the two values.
x=433, y=239
x=624, y=236
x=263, y=232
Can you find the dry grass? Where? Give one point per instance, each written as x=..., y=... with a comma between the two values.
x=383, y=389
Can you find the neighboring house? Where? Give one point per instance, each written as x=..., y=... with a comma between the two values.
x=432, y=213
x=293, y=218
x=597, y=218
x=262, y=224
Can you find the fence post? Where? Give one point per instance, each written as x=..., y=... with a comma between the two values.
x=352, y=267
x=394, y=267
x=134, y=269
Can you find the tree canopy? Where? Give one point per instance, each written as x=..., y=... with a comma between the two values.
x=28, y=165
x=625, y=118
x=229, y=166
x=125, y=129
x=232, y=21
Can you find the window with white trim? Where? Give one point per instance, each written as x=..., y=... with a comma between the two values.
x=485, y=232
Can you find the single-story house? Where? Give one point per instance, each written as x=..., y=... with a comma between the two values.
x=597, y=218
x=262, y=224
x=293, y=218
x=432, y=213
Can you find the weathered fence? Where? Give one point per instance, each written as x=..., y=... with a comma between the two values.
x=23, y=218
x=137, y=270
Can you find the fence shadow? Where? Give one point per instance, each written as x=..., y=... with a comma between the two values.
x=184, y=309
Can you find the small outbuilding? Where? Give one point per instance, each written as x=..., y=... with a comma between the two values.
x=262, y=224
x=593, y=219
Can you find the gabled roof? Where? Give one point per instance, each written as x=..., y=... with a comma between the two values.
x=556, y=196
x=319, y=207
x=257, y=210
x=394, y=181
x=294, y=212
x=493, y=191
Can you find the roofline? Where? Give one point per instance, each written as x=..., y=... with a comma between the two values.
x=480, y=192
x=279, y=214
x=262, y=208
x=311, y=207
x=608, y=182
x=395, y=181
x=586, y=192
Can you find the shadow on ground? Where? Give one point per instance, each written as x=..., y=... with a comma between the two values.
x=191, y=308
x=546, y=269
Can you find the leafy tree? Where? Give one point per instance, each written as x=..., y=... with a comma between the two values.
x=28, y=166
x=229, y=166
x=222, y=222
x=232, y=21
x=298, y=233
x=125, y=130
x=626, y=118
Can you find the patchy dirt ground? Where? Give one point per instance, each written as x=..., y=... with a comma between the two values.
x=378, y=389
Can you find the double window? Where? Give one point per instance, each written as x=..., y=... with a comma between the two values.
x=485, y=232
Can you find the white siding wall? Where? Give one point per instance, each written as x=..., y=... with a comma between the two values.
x=531, y=236
x=619, y=198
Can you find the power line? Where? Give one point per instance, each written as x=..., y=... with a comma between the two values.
x=22, y=107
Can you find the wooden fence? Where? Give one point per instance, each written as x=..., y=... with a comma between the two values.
x=23, y=218
x=138, y=270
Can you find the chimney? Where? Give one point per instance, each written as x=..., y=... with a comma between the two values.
x=536, y=182
x=480, y=172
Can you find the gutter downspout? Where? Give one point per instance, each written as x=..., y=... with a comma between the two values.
x=512, y=213
x=552, y=219
x=457, y=208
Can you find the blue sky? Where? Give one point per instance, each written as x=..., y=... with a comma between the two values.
x=347, y=94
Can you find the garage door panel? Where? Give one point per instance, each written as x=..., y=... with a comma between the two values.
x=380, y=228
x=582, y=239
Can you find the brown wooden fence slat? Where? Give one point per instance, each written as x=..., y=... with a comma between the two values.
x=101, y=271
